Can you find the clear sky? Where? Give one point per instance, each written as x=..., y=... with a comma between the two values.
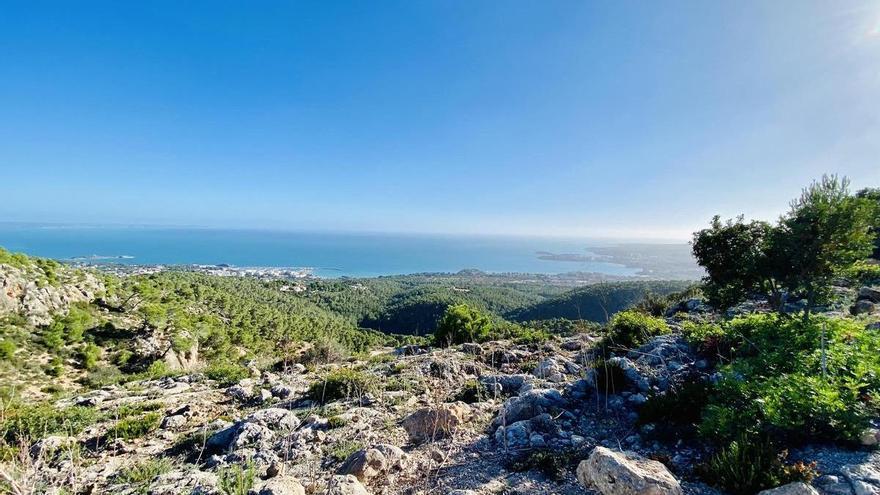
x=611, y=118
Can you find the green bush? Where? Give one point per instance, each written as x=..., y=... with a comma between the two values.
x=55, y=367
x=630, y=329
x=679, y=406
x=862, y=272
x=775, y=384
x=141, y=473
x=227, y=374
x=462, y=324
x=89, y=356
x=342, y=384
x=324, y=351
x=342, y=450
x=135, y=427
x=30, y=422
x=749, y=465
x=7, y=350
x=237, y=479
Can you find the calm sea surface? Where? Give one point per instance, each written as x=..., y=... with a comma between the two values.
x=328, y=254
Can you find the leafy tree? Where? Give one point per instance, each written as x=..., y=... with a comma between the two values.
x=738, y=260
x=873, y=194
x=826, y=231
x=462, y=324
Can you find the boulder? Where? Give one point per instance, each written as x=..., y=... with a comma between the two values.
x=345, y=485
x=281, y=485
x=530, y=404
x=798, y=488
x=371, y=462
x=626, y=473
x=863, y=307
x=432, y=423
x=870, y=293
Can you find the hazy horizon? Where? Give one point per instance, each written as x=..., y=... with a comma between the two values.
x=565, y=119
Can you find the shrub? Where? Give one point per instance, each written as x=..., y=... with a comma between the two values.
x=749, y=465
x=776, y=384
x=342, y=384
x=135, y=427
x=55, y=367
x=226, y=373
x=342, y=450
x=630, y=329
x=89, y=355
x=237, y=479
x=462, y=324
x=324, y=351
x=7, y=350
x=141, y=473
x=863, y=272
x=30, y=422
x=679, y=406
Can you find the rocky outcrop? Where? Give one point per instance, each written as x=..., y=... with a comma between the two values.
x=25, y=291
x=374, y=461
x=626, y=473
x=432, y=423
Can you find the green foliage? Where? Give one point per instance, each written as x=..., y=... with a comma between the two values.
x=227, y=373
x=775, y=383
x=7, y=350
x=749, y=465
x=737, y=259
x=342, y=450
x=141, y=473
x=237, y=479
x=873, y=194
x=462, y=324
x=89, y=355
x=323, y=351
x=135, y=427
x=17, y=260
x=680, y=406
x=30, y=422
x=863, y=272
x=630, y=329
x=342, y=383
x=826, y=230
x=55, y=367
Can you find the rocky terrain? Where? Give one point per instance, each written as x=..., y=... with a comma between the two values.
x=486, y=418
x=540, y=416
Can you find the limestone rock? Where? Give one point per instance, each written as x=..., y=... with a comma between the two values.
x=870, y=293
x=371, y=462
x=346, y=485
x=798, y=488
x=432, y=423
x=282, y=485
x=619, y=473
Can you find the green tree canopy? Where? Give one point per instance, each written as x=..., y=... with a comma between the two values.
x=462, y=324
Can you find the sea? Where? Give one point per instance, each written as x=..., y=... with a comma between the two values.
x=324, y=254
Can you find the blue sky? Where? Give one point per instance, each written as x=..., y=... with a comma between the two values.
x=621, y=119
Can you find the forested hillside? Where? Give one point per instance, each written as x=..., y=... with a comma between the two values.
x=595, y=302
